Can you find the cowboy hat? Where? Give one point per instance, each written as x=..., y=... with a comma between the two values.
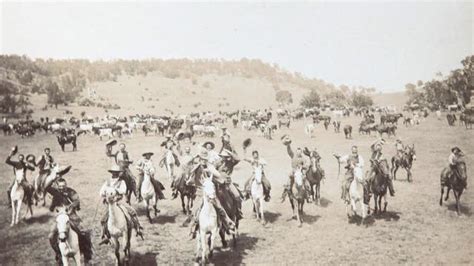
x=115, y=169
x=147, y=154
x=111, y=142
x=203, y=155
x=14, y=150
x=286, y=139
x=247, y=143
x=210, y=143
x=454, y=149
x=30, y=158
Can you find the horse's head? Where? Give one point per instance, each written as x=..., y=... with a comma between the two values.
x=382, y=167
x=461, y=169
x=62, y=224
x=208, y=188
x=258, y=171
x=110, y=195
x=411, y=153
x=19, y=176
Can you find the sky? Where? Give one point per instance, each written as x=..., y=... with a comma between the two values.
x=373, y=44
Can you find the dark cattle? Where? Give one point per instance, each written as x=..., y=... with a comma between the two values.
x=348, y=131
x=389, y=129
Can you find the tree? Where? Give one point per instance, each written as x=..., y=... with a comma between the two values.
x=311, y=100
x=55, y=95
x=336, y=98
x=360, y=99
x=284, y=97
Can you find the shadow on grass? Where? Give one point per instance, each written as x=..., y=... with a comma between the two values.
x=464, y=209
x=235, y=255
x=148, y=258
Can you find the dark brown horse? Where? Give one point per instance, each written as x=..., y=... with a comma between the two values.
x=64, y=139
x=378, y=184
x=186, y=190
x=314, y=176
x=405, y=161
x=231, y=207
x=454, y=179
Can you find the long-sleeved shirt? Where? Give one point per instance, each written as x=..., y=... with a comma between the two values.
x=68, y=198
x=121, y=158
x=352, y=161
x=118, y=184
x=145, y=166
x=453, y=159
x=399, y=146
x=296, y=160
x=45, y=162
x=20, y=167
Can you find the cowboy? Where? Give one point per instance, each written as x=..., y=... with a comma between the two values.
x=226, y=145
x=225, y=132
x=400, y=148
x=122, y=161
x=169, y=144
x=146, y=165
x=19, y=168
x=225, y=166
x=377, y=156
x=121, y=188
x=212, y=154
x=45, y=164
x=298, y=163
x=257, y=161
x=353, y=160
x=64, y=196
x=453, y=159
x=201, y=170
x=314, y=157
x=187, y=160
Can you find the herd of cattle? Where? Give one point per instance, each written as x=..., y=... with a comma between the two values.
x=208, y=124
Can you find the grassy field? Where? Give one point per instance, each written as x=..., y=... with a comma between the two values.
x=415, y=230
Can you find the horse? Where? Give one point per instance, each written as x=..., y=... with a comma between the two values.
x=348, y=131
x=64, y=139
x=18, y=194
x=298, y=194
x=405, y=161
x=257, y=194
x=208, y=223
x=119, y=226
x=149, y=194
x=356, y=195
x=231, y=208
x=169, y=162
x=454, y=179
x=68, y=240
x=309, y=129
x=326, y=124
x=378, y=184
x=42, y=181
x=337, y=126
x=314, y=176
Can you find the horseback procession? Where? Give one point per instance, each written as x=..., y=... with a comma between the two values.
x=201, y=175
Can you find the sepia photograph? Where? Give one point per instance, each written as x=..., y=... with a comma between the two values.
x=236, y=132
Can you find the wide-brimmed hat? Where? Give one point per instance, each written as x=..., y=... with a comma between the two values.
x=286, y=139
x=147, y=154
x=30, y=158
x=111, y=142
x=454, y=149
x=115, y=169
x=209, y=143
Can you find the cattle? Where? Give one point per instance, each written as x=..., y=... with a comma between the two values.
x=348, y=131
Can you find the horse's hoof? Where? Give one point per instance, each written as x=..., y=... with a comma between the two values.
x=224, y=244
x=293, y=217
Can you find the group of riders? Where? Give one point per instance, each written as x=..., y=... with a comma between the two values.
x=206, y=162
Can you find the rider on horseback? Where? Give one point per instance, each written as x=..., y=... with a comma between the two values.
x=314, y=155
x=400, y=148
x=146, y=165
x=122, y=160
x=203, y=169
x=121, y=187
x=354, y=160
x=298, y=163
x=64, y=196
x=455, y=157
x=256, y=161
x=20, y=165
x=187, y=164
x=377, y=156
x=169, y=145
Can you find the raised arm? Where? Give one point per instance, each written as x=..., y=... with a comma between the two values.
x=290, y=151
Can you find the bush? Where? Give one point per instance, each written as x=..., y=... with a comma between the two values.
x=311, y=100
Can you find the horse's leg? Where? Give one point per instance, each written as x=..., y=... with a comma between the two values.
x=293, y=208
x=447, y=194
x=262, y=217
x=203, y=247
x=117, y=250
x=222, y=235
x=13, y=212
x=147, y=205
x=182, y=202
x=211, y=244
x=198, y=247
x=155, y=205
x=17, y=219
x=318, y=192
x=65, y=262
x=441, y=198
x=385, y=203
x=375, y=204
x=77, y=256
x=395, y=169
x=456, y=196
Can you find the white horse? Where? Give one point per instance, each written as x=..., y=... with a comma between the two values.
x=257, y=193
x=42, y=182
x=148, y=192
x=356, y=193
x=169, y=162
x=68, y=240
x=17, y=195
x=207, y=222
x=309, y=129
x=118, y=226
